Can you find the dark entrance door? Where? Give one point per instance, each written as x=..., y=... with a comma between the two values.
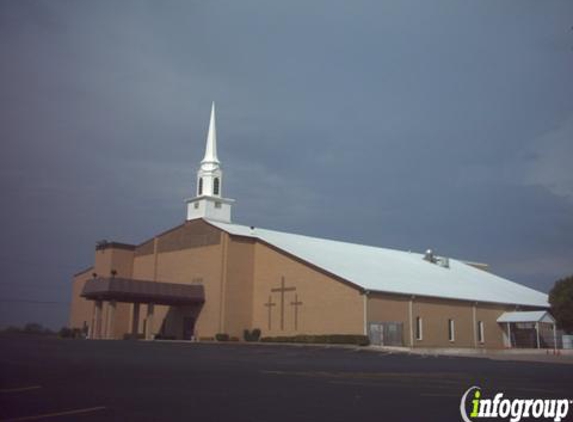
x=188, y=327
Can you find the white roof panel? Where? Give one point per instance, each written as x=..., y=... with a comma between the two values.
x=393, y=271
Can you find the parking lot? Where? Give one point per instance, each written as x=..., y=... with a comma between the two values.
x=45, y=378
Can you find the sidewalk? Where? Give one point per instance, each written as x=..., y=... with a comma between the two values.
x=521, y=355
x=565, y=356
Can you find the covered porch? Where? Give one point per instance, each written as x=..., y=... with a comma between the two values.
x=112, y=291
x=529, y=330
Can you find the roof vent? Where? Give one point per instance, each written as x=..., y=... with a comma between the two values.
x=429, y=256
x=442, y=261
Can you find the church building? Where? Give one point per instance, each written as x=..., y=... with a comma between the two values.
x=210, y=276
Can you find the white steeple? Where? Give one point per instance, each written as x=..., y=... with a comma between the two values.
x=209, y=203
x=211, y=147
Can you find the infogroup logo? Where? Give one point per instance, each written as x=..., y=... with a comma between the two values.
x=474, y=406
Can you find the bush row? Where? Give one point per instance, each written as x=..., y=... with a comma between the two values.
x=356, y=339
x=225, y=337
x=30, y=328
x=247, y=336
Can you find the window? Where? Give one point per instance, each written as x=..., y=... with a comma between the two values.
x=418, y=328
x=216, y=186
x=217, y=204
x=451, y=330
x=480, y=331
x=200, y=190
x=196, y=205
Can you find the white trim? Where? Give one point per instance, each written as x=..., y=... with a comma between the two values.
x=474, y=317
x=411, y=317
x=366, y=313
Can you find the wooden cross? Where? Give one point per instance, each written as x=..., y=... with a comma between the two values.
x=270, y=305
x=296, y=304
x=282, y=291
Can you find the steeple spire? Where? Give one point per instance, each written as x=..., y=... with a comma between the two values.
x=209, y=202
x=211, y=147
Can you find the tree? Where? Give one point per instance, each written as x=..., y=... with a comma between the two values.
x=561, y=300
x=34, y=328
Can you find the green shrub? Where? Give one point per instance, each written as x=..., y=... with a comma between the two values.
x=252, y=335
x=30, y=328
x=356, y=339
x=34, y=328
x=222, y=337
x=256, y=334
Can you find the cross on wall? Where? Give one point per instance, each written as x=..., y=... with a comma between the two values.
x=296, y=304
x=282, y=290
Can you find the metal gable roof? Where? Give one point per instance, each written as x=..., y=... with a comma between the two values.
x=531, y=316
x=393, y=271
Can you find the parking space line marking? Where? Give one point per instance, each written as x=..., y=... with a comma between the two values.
x=16, y=390
x=52, y=415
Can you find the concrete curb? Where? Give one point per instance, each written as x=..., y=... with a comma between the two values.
x=519, y=355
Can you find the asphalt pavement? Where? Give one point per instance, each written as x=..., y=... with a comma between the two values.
x=45, y=378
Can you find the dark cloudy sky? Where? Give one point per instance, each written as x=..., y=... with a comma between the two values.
x=404, y=124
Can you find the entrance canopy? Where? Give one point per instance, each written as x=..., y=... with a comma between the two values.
x=136, y=291
x=529, y=316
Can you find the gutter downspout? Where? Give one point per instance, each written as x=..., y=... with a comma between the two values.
x=475, y=326
x=223, y=284
x=411, y=312
x=365, y=293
